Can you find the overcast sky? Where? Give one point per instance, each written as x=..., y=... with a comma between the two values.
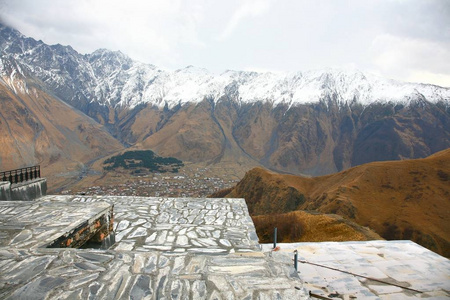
x=401, y=39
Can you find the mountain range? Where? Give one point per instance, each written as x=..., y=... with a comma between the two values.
x=86, y=106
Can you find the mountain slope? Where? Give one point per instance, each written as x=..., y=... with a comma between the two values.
x=407, y=199
x=37, y=128
x=302, y=226
x=308, y=139
x=314, y=122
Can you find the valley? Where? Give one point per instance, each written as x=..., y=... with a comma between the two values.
x=306, y=123
x=190, y=181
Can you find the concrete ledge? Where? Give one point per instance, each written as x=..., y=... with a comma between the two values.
x=38, y=224
x=29, y=190
x=5, y=190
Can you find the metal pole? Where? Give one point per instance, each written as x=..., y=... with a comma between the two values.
x=295, y=259
x=275, y=238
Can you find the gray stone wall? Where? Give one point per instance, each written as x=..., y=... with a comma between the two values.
x=25, y=191
x=5, y=190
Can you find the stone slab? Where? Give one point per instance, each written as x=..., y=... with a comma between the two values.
x=203, y=225
x=91, y=274
x=423, y=273
x=36, y=224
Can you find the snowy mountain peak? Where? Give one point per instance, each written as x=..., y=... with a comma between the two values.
x=112, y=78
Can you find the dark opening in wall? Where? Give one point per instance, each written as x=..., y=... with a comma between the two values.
x=97, y=234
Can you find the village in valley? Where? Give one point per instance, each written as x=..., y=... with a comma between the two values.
x=186, y=183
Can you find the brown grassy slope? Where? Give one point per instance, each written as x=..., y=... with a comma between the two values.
x=407, y=199
x=301, y=226
x=186, y=137
x=36, y=128
x=266, y=193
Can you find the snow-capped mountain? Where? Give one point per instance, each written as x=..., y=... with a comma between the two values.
x=313, y=122
x=112, y=78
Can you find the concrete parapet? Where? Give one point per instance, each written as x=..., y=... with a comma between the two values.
x=29, y=190
x=5, y=190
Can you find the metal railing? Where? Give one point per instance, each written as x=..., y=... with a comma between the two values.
x=21, y=175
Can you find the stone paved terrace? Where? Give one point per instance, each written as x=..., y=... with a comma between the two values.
x=166, y=249
x=198, y=225
x=182, y=248
x=404, y=263
x=94, y=274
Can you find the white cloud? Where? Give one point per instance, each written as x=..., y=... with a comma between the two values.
x=406, y=40
x=249, y=8
x=146, y=30
x=428, y=77
x=411, y=59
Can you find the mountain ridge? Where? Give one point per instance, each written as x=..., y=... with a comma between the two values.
x=37, y=128
x=112, y=78
x=243, y=119
x=406, y=199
